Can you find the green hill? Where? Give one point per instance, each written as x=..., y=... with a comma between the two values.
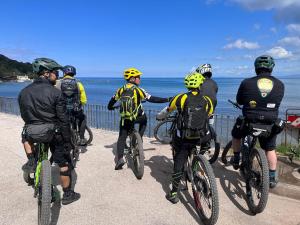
x=10, y=69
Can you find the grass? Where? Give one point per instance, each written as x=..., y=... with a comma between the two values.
x=289, y=150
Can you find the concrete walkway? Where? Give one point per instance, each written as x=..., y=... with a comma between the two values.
x=117, y=197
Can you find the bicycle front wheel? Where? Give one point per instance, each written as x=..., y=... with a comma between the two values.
x=227, y=153
x=137, y=155
x=162, y=131
x=90, y=135
x=205, y=190
x=257, y=181
x=45, y=194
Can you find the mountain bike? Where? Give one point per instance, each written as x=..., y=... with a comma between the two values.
x=42, y=182
x=134, y=152
x=254, y=165
x=200, y=174
x=164, y=130
x=75, y=137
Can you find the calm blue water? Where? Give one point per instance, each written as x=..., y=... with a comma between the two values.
x=100, y=90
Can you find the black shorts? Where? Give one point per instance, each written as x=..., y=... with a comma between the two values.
x=59, y=155
x=267, y=143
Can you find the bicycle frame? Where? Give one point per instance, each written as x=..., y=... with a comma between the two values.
x=41, y=150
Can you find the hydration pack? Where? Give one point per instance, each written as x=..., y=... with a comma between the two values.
x=70, y=91
x=128, y=104
x=194, y=117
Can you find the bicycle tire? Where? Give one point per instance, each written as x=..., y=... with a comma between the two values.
x=74, y=137
x=45, y=194
x=91, y=136
x=225, y=152
x=264, y=184
x=159, y=128
x=138, y=155
x=211, y=190
x=216, y=151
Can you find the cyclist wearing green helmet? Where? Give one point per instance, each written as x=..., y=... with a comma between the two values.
x=43, y=110
x=260, y=97
x=193, y=110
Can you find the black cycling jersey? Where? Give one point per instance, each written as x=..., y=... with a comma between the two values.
x=261, y=97
x=210, y=88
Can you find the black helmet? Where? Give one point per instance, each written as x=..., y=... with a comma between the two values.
x=264, y=62
x=43, y=64
x=69, y=70
x=205, y=70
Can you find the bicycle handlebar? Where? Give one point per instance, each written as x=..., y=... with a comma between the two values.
x=235, y=104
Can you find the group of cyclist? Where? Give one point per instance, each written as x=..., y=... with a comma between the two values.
x=41, y=103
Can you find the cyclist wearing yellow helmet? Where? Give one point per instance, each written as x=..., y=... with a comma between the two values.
x=193, y=110
x=130, y=97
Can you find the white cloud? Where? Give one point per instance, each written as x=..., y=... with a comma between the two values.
x=286, y=10
x=273, y=29
x=279, y=53
x=293, y=28
x=291, y=41
x=270, y=4
x=241, y=44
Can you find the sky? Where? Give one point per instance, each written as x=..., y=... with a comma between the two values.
x=162, y=38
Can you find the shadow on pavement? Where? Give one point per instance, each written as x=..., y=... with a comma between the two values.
x=114, y=149
x=233, y=185
x=188, y=202
x=161, y=169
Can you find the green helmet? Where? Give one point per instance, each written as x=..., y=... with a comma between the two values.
x=264, y=62
x=193, y=80
x=41, y=64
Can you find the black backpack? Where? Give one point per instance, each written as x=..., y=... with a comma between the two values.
x=128, y=106
x=70, y=91
x=194, y=117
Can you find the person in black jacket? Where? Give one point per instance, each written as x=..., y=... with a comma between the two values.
x=209, y=87
x=260, y=97
x=42, y=105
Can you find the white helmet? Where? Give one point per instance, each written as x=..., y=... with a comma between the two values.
x=205, y=70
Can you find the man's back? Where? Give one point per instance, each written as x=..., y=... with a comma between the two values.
x=210, y=88
x=261, y=97
x=38, y=102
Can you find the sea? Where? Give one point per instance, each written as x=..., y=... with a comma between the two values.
x=99, y=90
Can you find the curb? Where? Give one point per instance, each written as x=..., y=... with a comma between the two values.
x=287, y=190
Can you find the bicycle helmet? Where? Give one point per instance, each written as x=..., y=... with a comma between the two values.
x=40, y=65
x=264, y=62
x=131, y=72
x=193, y=80
x=69, y=70
x=205, y=70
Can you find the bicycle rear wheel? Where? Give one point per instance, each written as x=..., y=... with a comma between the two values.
x=205, y=190
x=90, y=135
x=227, y=153
x=257, y=181
x=45, y=194
x=212, y=153
x=137, y=154
x=162, y=131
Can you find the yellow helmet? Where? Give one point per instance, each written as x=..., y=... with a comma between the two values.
x=131, y=72
x=193, y=80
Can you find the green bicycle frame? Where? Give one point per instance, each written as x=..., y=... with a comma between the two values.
x=42, y=151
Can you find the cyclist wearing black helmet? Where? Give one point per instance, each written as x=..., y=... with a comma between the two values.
x=260, y=97
x=43, y=110
x=209, y=87
x=75, y=97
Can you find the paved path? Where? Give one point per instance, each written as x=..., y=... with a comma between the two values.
x=117, y=197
